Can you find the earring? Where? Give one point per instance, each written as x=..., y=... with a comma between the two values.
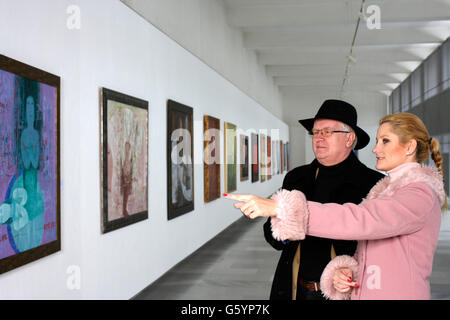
x=408, y=153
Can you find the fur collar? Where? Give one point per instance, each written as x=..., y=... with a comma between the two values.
x=424, y=174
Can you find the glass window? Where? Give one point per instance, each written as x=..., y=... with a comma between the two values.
x=404, y=90
x=396, y=100
x=416, y=87
x=445, y=55
x=432, y=76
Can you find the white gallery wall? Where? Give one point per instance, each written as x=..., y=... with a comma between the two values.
x=111, y=46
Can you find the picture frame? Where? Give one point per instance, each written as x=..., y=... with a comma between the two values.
x=278, y=148
x=30, y=176
x=263, y=159
x=123, y=159
x=287, y=157
x=282, y=157
x=269, y=158
x=211, y=138
x=255, y=157
x=230, y=157
x=180, y=168
x=244, y=158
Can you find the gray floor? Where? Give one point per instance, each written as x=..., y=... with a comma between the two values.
x=440, y=278
x=239, y=265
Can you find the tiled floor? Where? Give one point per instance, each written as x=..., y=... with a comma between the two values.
x=238, y=264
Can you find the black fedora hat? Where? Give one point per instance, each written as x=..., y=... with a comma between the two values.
x=341, y=111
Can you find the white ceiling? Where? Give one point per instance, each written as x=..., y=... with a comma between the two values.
x=304, y=44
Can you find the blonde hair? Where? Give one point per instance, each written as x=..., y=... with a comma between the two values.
x=408, y=127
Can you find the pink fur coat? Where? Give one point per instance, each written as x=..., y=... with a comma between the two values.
x=396, y=226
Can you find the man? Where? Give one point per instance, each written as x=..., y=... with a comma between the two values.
x=336, y=175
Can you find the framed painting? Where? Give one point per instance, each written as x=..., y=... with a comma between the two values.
x=274, y=157
x=287, y=156
x=230, y=157
x=263, y=160
x=269, y=158
x=278, y=148
x=211, y=166
x=243, y=154
x=255, y=157
x=180, y=169
x=282, y=156
x=124, y=159
x=30, y=203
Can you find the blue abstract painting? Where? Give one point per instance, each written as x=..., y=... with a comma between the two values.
x=28, y=164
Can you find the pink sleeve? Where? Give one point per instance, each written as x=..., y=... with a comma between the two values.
x=403, y=213
x=292, y=220
x=326, y=280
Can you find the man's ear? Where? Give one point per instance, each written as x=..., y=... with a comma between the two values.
x=350, y=139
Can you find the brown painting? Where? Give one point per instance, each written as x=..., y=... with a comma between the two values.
x=211, y=135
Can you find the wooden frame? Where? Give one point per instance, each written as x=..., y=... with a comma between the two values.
x=30, y=200
x=180, y=169
x=230, y=157
x=263, y=157
x=211, y=167
x=124, y=159
x=269, y=158
x=244, y=157
x=255, y=157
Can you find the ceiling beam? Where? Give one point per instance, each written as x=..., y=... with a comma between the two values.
x=318, y=36
x=277, y=13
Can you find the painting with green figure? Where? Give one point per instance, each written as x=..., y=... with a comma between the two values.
x=29, y=164
x=230, y=157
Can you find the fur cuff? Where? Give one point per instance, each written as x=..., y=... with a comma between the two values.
x=292, y=219
x=326, y=280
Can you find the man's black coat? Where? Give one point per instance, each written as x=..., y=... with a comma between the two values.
x=349, y=181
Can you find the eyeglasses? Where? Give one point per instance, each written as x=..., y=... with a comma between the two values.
x=326, y=132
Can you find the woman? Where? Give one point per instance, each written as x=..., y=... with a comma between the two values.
x=396, y=226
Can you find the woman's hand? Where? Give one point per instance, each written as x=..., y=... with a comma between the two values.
x=253, y=206
x=343, y=280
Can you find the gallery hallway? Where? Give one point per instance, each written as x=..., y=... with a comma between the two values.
x=239, y=264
